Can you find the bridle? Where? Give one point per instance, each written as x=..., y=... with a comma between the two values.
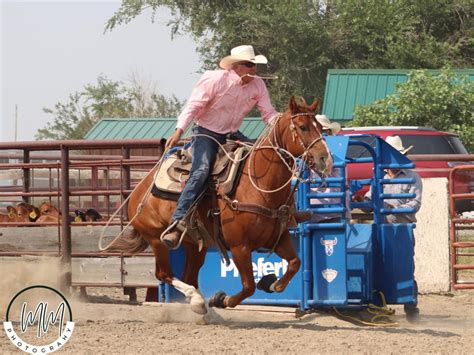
x=295, y=134
x=288, y=159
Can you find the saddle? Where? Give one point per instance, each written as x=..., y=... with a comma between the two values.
x=174, y=171
x=173, y=174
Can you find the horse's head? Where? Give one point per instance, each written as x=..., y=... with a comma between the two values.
x=301, y=134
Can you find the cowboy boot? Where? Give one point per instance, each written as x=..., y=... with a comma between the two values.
x=172, y=235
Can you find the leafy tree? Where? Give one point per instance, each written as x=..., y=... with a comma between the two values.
x=107, y=98
x=304, y=38
x=442, y=101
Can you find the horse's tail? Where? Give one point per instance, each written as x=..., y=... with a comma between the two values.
x=130, y=242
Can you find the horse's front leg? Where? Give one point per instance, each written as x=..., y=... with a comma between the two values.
x=194, y=261
x=242, y=257
x=286, y=251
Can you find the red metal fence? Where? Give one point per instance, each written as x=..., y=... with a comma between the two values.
x=462, y=227
x=62, y=173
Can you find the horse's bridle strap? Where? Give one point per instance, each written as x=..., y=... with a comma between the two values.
x=292, y=127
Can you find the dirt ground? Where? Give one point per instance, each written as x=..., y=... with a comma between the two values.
x=108, y=324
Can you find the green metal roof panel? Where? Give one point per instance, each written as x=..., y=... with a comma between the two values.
x=347, y=88
x=141, y=128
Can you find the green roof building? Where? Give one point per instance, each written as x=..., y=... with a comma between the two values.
x=130, y=128
x=347, y=88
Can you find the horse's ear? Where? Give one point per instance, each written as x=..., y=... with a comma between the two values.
x=295, y=103
x=292, y=105
x=315, y=105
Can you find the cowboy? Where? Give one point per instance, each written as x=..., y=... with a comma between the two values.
x=411, y=309
x=218, y=104
x=329, y=128
x=415, y=188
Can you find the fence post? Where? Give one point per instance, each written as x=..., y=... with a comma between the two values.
x=126, y=178
x=65, y=226
x=26, y=175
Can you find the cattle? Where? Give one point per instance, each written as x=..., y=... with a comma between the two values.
x=33, y=211
x=19, y=214
x=89, y=215
x=48, y=213
x=48, y=209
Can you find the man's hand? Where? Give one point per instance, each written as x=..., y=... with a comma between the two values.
x=174, y=139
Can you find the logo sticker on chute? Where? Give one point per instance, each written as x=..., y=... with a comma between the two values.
x=329, y=275
x=329, y=245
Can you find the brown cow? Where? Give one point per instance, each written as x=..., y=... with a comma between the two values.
x=19, y=214
x=48, y=209
x=33, y=211
x=48, y=213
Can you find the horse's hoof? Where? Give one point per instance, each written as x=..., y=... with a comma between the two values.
x=198, y=304
x=218, y=300
x=266, y=281
x=199, y=308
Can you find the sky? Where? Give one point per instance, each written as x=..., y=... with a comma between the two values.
x=50, y=49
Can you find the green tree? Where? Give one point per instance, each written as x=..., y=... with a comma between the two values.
x=107, y=98
x=304, y=38
x=443, y=101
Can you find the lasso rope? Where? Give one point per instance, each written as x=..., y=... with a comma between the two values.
x=259, y=145
x=139, y=208
x=382, y=315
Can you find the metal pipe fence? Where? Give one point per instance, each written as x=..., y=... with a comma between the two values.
x=71, y=181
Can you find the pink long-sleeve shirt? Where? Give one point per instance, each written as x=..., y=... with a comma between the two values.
x=219, y=102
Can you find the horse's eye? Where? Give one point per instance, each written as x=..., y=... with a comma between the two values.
x=303, y=128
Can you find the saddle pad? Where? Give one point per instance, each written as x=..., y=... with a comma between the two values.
x=175, y=184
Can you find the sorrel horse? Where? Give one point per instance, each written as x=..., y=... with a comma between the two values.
x=265, y=182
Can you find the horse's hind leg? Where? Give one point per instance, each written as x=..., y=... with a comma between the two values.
x=286, y=251
x=165, y=274
x=243, y=261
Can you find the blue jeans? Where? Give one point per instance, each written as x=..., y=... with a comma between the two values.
x=204, y=154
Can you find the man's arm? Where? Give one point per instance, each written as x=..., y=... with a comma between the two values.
x=174, y=139
x=203, y=92
x=264, y=104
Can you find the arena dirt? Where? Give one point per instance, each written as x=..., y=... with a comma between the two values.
x=107, y=323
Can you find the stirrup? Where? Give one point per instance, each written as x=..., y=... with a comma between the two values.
x=181, y=227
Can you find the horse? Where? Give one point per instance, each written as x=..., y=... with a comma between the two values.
x=265, y=182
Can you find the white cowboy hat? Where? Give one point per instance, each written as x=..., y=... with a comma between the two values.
x=242, y=54
x=324, y=121
x=396, y=142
